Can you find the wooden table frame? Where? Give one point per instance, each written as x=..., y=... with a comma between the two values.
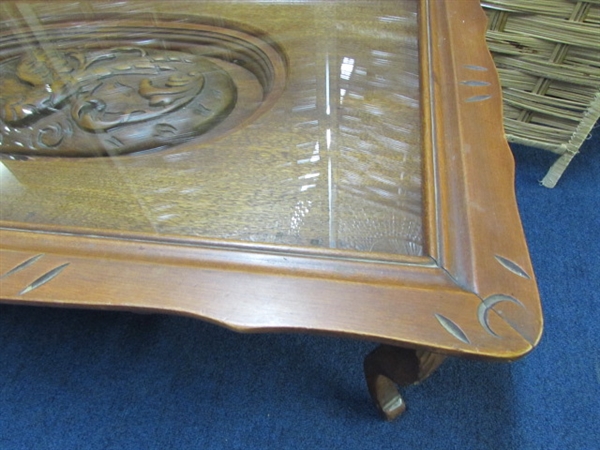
x=473, y=295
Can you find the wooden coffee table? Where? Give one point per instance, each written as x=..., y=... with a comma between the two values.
x=322, y=167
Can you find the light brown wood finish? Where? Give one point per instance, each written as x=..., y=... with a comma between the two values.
x=387, y=366
x=471, y=291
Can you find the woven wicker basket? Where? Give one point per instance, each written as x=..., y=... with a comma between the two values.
x=548, y=57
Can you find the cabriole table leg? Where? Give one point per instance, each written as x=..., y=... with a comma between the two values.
x=387, y=367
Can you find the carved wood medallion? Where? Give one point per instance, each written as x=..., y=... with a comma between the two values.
x=107, y=93
x=77, y=103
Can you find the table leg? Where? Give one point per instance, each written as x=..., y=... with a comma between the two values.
x=387, y=366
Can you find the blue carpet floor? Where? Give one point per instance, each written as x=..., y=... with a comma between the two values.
x=109, y=380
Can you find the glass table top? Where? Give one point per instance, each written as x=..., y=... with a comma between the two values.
x=292, y=123
x=312, y=166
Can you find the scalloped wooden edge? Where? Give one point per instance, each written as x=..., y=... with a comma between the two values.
x=454, y=302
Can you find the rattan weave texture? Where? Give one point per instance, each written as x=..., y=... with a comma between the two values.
x=548, y=57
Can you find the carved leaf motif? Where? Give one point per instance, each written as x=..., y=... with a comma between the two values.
x=478, y=98
x=44, y=279
x=452, y=328
x=513, y=267
x=22, y=266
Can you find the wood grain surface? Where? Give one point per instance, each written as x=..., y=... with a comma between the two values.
x=410, y=235
x=334, y=161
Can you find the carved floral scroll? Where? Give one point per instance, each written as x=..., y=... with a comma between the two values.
x=110, y=102
x=112, y=87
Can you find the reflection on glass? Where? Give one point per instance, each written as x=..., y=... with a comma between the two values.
x=296, y=123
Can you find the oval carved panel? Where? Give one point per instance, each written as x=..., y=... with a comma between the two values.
x=112, y=87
